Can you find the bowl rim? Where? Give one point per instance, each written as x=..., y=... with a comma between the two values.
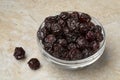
x=74, y=61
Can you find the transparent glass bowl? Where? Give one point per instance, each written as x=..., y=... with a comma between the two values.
x=77, y=63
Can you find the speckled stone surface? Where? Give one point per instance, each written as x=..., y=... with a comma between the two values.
x=19, y=21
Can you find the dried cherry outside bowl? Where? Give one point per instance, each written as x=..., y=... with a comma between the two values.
x=75, y=63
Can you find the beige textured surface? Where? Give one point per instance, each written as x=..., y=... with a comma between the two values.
x=19, y=21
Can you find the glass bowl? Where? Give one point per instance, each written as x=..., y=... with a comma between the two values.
x=76, y=63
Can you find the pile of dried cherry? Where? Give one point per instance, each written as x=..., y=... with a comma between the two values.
x=70, y=36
